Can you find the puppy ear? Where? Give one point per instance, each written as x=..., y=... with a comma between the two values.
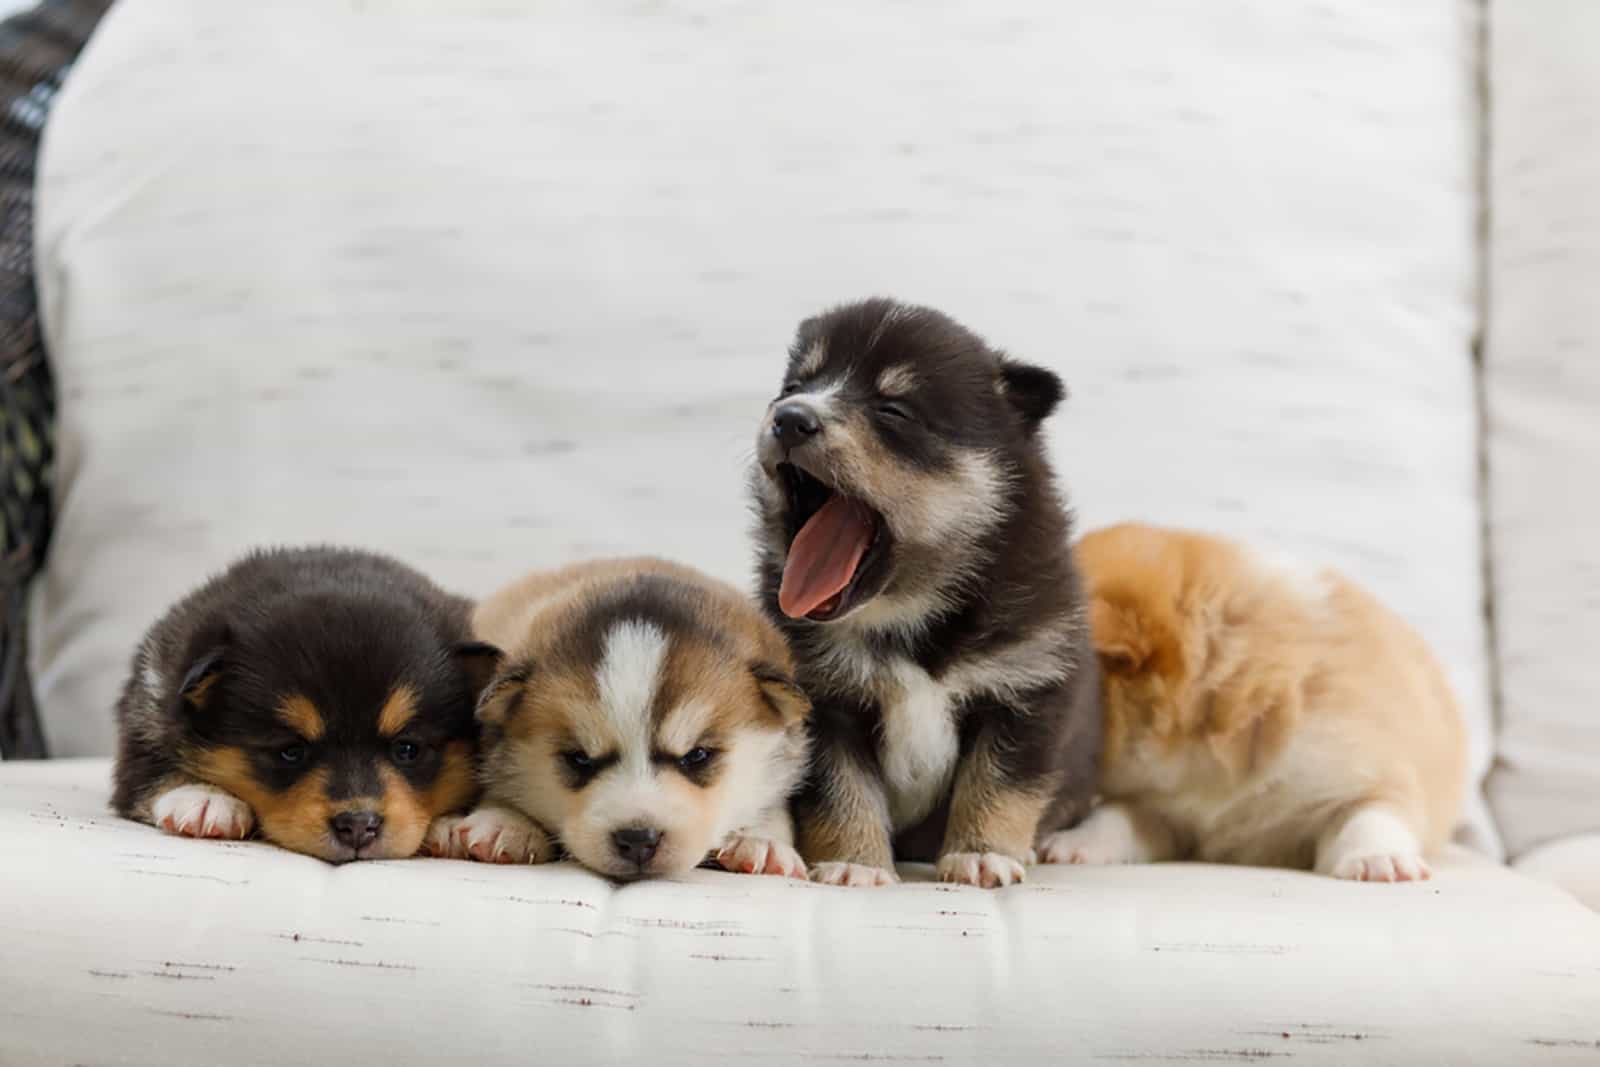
x=781, y=692
x=1033, y=391
x=480, y=660
x=201, y=677
x=1119, y=638
x=502, y=695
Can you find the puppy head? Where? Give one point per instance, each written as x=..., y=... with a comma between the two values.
x=892, y=450
x=346, y=725
x=1141, y=631
x=646, y=730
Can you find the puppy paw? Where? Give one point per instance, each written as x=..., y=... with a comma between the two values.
x=851, y=874
x=497, y=835
x=1383, y=867
x=760, y=855
x=202, y=811
x=441, y=841
x=1082, y=844
x=990, y=870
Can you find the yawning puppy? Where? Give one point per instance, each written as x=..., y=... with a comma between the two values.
x=1259, y=712
x=322, y=695
x=914, y=547
x=644, y=718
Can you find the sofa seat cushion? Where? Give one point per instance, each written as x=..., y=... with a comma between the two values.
x=122, y=944
x=1573, y=863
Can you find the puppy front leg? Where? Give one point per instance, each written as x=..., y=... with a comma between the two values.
x=492, y=833
x=994, y=817
x=842, y=817
x=766, y=846
x=1115, y=832
x=1374, y=842
x=189, y=808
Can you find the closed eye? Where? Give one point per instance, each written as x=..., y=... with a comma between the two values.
x=895, y=410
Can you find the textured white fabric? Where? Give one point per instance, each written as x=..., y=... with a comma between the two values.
x=507, y=287
x=122, y=944
x=1543, y=392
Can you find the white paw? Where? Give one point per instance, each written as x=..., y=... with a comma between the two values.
x=497, y=835
x=1082, y=844
x=441, y=842
x=851, y=874
x=760, y=855
x=201, y=811
x=990, y=870
x=1383, y=867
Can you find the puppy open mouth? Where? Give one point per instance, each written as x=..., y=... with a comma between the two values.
x=834, y=541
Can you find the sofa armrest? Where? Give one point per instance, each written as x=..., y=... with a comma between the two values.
x=36, y=50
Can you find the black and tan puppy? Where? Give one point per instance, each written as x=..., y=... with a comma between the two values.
x=321, y=695
x=914, y=547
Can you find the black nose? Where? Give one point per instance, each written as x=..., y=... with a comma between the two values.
x=637, y=844
x=794, y=424
x=357, y=828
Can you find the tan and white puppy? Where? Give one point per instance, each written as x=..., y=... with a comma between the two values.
x=644, y=718
x=1262, y=713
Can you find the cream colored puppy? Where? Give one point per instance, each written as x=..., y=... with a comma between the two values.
x=644, y=719
x=1260, y=713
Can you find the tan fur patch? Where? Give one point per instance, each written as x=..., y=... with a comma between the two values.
x=898, y=380
x=812, y=361
x=201, y=690
x=397, y=711
x=988, y=815
x=851, y=824
x=302, y=716
x=296, y=818
x=455, y=785
x=1250, y=703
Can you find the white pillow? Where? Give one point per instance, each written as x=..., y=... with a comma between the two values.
x=1543, y=396
x=498, y=288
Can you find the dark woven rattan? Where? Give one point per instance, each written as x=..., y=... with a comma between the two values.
x=36, y=50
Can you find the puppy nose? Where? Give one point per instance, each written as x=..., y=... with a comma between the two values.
x=637, y=844
x=795, y=424
x=357, y=828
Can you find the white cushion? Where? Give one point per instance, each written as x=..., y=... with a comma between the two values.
x=1543, y=392
x=499, y=288
x=120, y=943
x=1573, y=863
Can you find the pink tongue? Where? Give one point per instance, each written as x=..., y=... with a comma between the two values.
x=825, y=555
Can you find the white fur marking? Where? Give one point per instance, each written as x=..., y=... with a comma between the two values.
x=819, y=398
x=852, y=874
x=202, y=811
x=1108, y=835
x=150, y=678
x=1311, y=584
x=919, y=746
x=1372, y=845
x=760, y=855
x=630, y=668
x=987, y=870
x=500, y=835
